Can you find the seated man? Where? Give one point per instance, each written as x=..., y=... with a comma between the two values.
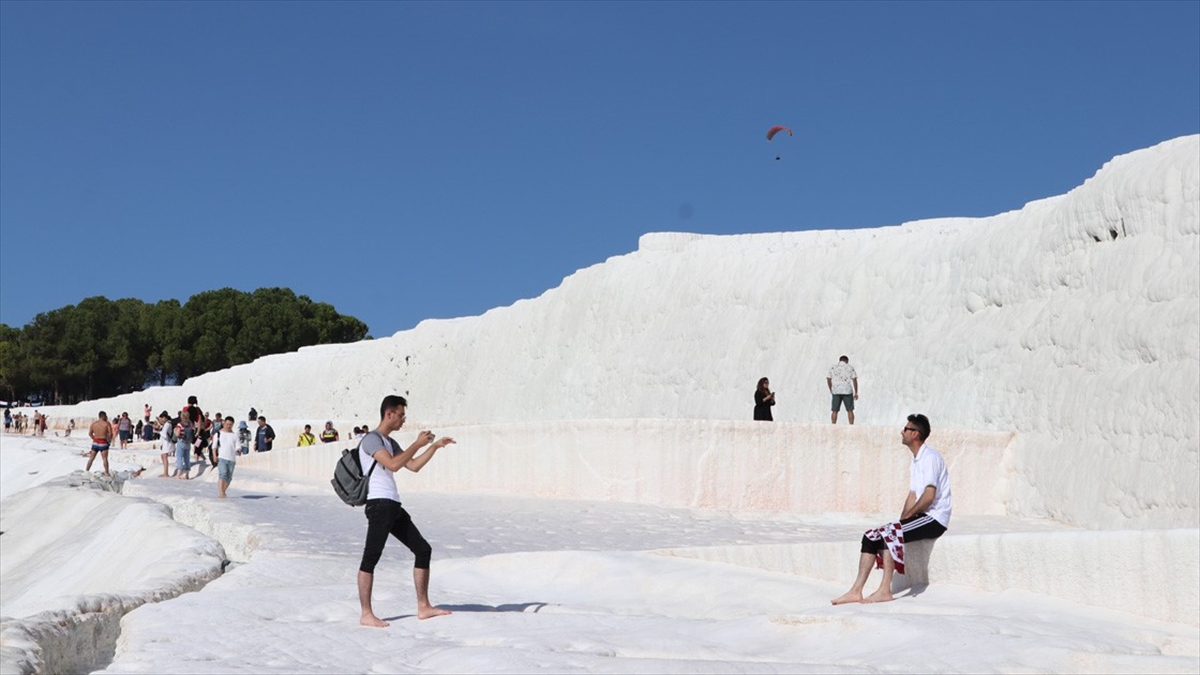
x=926, y=515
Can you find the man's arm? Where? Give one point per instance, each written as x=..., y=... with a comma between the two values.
x=396, y=462
x=414, y=465
x=913, y=505
x=855, y=381
x=829, y=383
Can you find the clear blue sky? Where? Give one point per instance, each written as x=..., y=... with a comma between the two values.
x=405, y=161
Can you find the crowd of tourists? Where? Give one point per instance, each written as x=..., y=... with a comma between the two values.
x=19, y=422
x=193, y=439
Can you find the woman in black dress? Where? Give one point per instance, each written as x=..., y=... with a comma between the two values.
x=764, y=398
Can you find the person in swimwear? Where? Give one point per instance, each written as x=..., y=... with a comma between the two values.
x=101, y=433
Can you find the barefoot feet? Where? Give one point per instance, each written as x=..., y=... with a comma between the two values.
x=373, y=621
x=849, y=597
x=881, y=595
x=430, y=612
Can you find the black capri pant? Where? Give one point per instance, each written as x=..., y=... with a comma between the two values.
x=385, y=517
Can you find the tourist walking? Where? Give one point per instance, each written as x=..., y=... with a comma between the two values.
x=226, y=442
x=185, y=435
x=264, y=436
x=125, y=430
x=243, y=438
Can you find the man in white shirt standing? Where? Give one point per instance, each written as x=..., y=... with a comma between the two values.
x=227, y=451
x=926, y=515
x=842, y=381
x=384, y=513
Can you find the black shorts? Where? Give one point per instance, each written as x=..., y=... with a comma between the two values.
x=920, y=526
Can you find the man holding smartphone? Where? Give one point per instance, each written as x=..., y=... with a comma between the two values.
x=384, y=513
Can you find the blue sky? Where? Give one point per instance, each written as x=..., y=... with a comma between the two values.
x=405, y=161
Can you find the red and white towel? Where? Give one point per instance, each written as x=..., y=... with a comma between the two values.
x=893, y=536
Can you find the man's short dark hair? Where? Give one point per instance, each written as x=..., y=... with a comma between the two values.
x=308, y=427
x=103, y=415
x=228, y=418
x=391, y=402
x=921, y=423
x=844, y=359
x=191, y=400
x=262, y=418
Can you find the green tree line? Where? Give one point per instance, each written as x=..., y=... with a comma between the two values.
x=103, y=347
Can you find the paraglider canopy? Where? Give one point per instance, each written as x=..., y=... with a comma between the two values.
x=776, y=129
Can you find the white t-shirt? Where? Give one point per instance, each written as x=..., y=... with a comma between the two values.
x=928, y=468
x=227, y=445
x=383, y=482
x=842, y=375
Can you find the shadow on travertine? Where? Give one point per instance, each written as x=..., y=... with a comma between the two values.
x=916, y=568
x=518, y=607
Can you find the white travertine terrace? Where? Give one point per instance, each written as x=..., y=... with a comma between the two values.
x=1073, y=322
x=1056, y=350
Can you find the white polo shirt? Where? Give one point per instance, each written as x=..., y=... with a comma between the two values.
x=928, y=468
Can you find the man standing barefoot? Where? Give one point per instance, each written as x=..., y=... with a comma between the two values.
x=926, y=515
x=384, y=513
x=101, y=433
x=842, y=381
x=226, y=443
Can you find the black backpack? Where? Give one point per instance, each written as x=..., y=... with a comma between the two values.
x=349, y=482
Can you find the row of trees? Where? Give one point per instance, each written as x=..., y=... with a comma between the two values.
x=103, y=347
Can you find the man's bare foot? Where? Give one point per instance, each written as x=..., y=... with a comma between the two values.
x=222, y=495
x=849, y=597
x=430, y=612
x=373, y=621
x=165, y=475
x=881, y=595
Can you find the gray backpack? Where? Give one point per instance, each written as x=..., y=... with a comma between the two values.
x=349, y=482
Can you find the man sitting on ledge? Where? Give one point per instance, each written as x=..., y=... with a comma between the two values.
x=926, y=515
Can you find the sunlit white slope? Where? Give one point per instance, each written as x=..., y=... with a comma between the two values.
x=1074, y=321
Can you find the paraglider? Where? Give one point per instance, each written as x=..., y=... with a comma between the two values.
x=774, y=130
